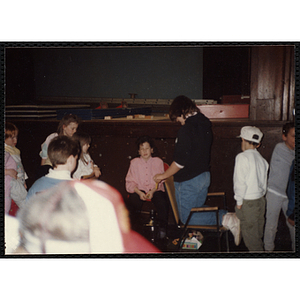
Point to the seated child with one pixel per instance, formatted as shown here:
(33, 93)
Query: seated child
(250, 185)
(63, 153)
(67, 126)
(86, 166)
(140, 184)
(18, 190)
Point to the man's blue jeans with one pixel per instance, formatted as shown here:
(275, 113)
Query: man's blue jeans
(193, 193)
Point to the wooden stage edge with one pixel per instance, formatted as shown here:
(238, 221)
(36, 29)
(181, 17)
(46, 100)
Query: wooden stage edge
(153, 119)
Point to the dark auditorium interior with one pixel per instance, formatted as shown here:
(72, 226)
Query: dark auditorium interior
(235, 85)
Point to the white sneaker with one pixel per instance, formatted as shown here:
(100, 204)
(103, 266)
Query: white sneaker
(232, 222)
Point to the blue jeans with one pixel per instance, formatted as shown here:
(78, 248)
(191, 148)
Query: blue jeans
(193, 193)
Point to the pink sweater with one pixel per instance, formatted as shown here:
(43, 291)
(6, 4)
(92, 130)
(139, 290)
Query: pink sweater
(141, 173)
(9, 164)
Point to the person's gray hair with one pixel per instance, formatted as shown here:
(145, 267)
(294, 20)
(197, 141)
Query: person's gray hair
(58, 213)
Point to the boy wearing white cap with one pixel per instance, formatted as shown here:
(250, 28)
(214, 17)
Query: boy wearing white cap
(250, 184)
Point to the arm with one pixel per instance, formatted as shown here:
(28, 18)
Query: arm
(239, 180)
(11, 172)
(10, 166)
(131, 178)
(173, 169)
(44, 148)
(97, 171)
(44, 152)
(182, 151)
(95, 168)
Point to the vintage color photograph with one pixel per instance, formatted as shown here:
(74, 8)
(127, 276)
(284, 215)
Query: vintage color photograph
(115, 86)
(149, 149)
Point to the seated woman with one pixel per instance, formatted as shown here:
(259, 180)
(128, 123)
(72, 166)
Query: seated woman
(141, 186)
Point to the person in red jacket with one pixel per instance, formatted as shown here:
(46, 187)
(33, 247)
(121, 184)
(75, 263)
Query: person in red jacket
(78, 217)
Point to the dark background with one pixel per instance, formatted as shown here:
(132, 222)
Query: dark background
(159, 72)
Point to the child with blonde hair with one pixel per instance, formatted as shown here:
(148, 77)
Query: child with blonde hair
(67, 126)
(86, 167)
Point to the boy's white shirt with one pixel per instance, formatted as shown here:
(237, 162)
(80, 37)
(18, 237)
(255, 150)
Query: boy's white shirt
(250, 176)
(59, 174)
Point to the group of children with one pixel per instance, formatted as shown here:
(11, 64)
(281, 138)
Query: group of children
(261, 191)
(62, 216)
(65, 156)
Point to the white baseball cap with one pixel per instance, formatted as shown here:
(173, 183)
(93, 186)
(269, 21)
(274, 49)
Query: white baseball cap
(251, 133)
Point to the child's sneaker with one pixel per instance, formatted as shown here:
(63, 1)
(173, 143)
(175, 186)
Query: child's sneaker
(232, 222)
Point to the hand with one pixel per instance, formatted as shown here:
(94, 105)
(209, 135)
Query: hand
(158, 178)
(239, 206)
(143, 196)
(290, 221)
(150, 195)
(97, 172)
(11, 172)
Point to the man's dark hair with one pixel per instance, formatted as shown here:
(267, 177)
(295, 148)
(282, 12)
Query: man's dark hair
(182, 105)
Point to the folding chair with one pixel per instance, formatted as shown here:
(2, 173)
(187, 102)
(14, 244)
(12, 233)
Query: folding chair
(219, 230)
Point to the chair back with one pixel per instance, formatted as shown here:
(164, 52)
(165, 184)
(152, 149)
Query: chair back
(170, 188)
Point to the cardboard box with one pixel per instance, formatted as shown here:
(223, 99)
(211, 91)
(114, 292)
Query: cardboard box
(193, 241)
(192, 244)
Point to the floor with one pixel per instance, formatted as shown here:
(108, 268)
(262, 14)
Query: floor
(210, 243)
